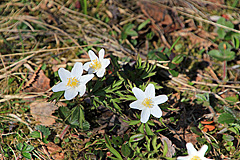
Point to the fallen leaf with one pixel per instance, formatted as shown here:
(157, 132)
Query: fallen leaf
(38, 82)
(171, 150)
(55, 151)
(42, 112)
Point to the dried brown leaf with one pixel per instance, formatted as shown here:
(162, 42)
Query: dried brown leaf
(42, 112)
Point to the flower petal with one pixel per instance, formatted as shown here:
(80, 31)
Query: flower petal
(203, 150)
(191, 150)
(138, 93)
(77, 70)
(100, 72)
(86, 66)
(156, 111)
(92, 55)
(150, 91)
(91, 71)
(101, 54)
(145, 115)
(105, 63)
(70, 94)
(137, 105)
(59, 87)
(183, 157)
(85, 78)
(64, 74)
(160, 99)
(81, 89)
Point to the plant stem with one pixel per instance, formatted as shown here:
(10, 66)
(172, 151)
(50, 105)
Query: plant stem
(224, 69)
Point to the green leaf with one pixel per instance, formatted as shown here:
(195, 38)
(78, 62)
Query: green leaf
(136, 137)
(232, 98)
(228, 138)
(35, 134)
(134, 122)
(178, 59)
(27, 155)
(226, 118)
(86, 125)
(45, 131)
(111, 149)
(131, 33)
(174, 73)
(19, 146)
(143, 24)
(148, 130)
(141, 128)
(221, 33)
(154, 143)
(126, 150)
(29, 148)
(56, 96)
(117, 140)
(235, 41)
(215, 53)
(165, 148)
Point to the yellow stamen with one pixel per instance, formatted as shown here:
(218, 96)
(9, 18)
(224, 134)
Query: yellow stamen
(95, 64)
(73, 82)
(195, 158)
(147, 102)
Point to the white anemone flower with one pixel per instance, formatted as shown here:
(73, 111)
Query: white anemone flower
(97, 65)
(72, 82)
(147, 102)
(193, 154)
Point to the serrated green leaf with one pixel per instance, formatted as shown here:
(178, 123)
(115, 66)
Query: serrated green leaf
(226, 118)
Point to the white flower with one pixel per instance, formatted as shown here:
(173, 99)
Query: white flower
(147, 102)
(72, 82)
(193, 154)
(97, 65)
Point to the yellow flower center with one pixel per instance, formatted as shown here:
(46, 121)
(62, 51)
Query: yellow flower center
(73, 82)
(147, 102)
(95, 64)
(195, 158)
